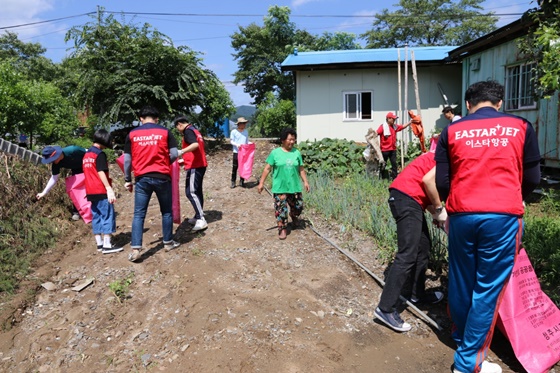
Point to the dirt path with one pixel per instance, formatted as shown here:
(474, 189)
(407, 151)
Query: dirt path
(231, 299)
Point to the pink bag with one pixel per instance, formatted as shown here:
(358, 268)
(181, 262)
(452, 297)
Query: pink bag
(76, 189)
(175, 196)
(529, 319)
(120, 162)
(245, 158)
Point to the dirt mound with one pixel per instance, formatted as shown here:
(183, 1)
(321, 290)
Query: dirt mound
(231, 298)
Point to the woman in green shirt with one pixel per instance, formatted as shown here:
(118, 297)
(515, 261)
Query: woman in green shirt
(286, 165)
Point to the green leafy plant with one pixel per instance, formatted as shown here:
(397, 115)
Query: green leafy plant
(333, 156)
(121, 287)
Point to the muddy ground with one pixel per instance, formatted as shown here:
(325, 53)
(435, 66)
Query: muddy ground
(233, 298)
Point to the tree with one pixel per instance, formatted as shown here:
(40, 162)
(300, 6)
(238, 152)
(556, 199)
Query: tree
(430, 22)
(259, 52)
(542, 44)
(33, 107)
(329, 41)
(121, 67)
(272, 115)
(27, 58)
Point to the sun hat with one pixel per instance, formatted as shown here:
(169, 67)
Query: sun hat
(241, 120)
(391, 115)
(51, 154)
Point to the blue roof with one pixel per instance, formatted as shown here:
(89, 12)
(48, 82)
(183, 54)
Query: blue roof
(354, 56)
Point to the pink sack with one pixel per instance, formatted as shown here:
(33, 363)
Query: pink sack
(76, 189)
(529, 319)
(245, 158)
(175, 196)
(120, 162)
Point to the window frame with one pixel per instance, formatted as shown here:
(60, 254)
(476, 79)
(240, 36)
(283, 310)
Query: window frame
(359, 106)
(518, 95)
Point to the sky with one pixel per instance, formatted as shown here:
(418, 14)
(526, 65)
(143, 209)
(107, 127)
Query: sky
(205, 25)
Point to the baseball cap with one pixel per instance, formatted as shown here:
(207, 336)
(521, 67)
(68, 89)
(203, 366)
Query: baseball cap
(391, 115)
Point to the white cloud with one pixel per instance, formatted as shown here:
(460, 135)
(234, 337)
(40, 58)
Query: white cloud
(358, 24)
(19, 12)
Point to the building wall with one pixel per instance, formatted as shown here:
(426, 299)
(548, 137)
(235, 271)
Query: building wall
(319, 99)
(492, 64)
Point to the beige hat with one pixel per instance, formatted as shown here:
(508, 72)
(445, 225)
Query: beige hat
(241, 120)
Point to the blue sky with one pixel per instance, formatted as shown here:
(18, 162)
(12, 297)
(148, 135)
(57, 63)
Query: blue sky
(210, 25)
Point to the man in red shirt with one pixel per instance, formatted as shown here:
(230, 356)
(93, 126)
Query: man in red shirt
(149, 151)
(388, 140)
(412, 192)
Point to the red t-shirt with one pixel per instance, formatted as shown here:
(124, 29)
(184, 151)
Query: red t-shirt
(409, 181)
(389, 143)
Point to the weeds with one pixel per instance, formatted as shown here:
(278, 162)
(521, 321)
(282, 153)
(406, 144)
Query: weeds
(121, 287)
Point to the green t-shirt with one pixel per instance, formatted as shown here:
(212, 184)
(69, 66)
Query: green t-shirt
(285, 170)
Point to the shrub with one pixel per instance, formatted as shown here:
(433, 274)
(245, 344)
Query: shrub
(336, 157)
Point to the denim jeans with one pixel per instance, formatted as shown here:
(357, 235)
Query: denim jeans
(143, 190)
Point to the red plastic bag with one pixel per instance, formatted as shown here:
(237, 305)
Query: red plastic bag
(76, 189)
(245, 159)
(120, 162)
(175, 195)
(529, 319)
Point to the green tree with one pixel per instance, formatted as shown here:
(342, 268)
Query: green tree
(542, 44)
(329, 41)
(260, 50)
(120, 67)
(430, 22)
(33, 107)
(27, 58)
(272, 115)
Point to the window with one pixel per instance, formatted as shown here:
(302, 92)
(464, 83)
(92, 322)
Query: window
(358, 105)
(519, 89)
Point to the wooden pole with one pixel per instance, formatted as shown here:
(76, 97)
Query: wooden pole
(415, 78)
(399, 80)
(402, 114)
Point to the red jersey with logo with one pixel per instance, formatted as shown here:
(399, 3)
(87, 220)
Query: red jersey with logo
(197, 158)
(505, 142)
(389, 143)
(409, 181)
(93, 162)
(149, 150)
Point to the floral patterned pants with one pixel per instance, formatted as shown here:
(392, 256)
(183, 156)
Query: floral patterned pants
(281, 203)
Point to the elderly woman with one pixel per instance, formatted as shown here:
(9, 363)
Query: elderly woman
(286, 165)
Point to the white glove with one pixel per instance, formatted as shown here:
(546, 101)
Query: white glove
(440, 217)
(111, 195)
(40, 195)
(128, 185)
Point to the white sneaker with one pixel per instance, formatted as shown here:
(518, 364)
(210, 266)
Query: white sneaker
(168, 246)
(191, 221)
(76, 216)
(486, 367)
(112, 249)
(200, 225)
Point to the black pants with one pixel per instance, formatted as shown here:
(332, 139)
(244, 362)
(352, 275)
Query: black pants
(234, 169)
(392, 156)
(413, 252)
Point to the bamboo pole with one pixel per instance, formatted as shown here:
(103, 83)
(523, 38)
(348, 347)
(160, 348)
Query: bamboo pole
(403, 113)
(415, 78)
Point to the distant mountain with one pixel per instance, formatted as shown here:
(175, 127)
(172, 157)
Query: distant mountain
(246, 111)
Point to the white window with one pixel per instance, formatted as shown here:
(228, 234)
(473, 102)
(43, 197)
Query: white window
(519, 89)
(358, 105)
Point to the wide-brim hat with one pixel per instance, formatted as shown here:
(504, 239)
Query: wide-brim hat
(241, 120)
(50, 154)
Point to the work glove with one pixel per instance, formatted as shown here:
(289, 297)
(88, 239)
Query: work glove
(440, 217)
(111, 195)
(128, 185)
